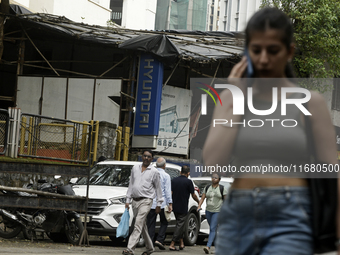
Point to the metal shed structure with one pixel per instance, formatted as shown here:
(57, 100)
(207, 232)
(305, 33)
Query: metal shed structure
(45, 45)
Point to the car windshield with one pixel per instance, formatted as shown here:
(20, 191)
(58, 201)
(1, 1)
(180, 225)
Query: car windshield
(201, 184)
(172, 172)
(108, 175)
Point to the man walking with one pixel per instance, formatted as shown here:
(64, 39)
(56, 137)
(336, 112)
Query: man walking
(166, 193)
(143, 187)
(181, 188)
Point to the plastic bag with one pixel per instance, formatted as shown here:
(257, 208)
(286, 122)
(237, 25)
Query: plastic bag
(167, 214)
(123, 227)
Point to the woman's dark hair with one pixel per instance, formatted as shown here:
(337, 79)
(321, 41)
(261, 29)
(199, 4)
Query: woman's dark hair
(219, 176)
(272, 18)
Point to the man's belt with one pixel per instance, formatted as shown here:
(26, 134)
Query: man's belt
(138, 198)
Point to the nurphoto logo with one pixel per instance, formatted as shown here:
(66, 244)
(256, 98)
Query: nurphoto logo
(239, 104)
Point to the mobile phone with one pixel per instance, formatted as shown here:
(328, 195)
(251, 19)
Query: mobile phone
(250, 69)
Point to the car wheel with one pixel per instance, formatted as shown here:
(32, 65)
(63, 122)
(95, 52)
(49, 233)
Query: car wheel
(191, 229)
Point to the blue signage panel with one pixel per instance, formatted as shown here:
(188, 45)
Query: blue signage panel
(149, 95)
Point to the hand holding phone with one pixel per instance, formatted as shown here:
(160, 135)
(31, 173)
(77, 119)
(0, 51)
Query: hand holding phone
(250, 69)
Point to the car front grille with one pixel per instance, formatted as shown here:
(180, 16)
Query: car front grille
(94, 224)
(96, 206)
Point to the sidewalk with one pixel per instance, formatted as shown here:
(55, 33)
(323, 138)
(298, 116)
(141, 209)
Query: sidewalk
(98, 246)
(46, 246)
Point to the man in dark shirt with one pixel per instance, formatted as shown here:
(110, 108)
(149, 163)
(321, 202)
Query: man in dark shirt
(181, 188)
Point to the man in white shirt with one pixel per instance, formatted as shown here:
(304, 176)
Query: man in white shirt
(143, 187)
(166, 193)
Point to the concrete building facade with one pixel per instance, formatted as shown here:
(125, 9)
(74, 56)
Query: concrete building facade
(92, 12)
(213, 15)
(234, 14)
(138, 14)
(182, 14)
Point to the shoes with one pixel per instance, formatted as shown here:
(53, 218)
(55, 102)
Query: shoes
(147, 252)
(173, 249)
(182, 247)
(127, 252)
(206, 250)
(159, 245)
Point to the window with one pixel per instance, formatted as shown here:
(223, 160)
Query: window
(211, 20)
(238, 6)
(226, 8)
(172, 172)
(336, 94)
(236, 20)
(108, 175)
(116, 15)
(117, 7)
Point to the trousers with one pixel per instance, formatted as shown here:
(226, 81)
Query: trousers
(180, 220)
(140, 210)
(265, 221)
(212, 218)
(151, 222)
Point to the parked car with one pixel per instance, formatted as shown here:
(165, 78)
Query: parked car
(201, 183)
(109, 181)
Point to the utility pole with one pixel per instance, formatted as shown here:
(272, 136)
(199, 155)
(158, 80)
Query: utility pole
(4, 11)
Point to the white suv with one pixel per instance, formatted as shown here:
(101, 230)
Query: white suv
(109, 181)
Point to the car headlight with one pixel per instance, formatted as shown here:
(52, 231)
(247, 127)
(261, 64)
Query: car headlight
(118, 201)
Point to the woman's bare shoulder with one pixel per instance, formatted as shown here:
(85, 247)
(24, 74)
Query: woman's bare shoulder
(317, 106)
(316, 97)
(317, 102)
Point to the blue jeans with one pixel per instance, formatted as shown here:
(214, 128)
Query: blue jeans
(266, 221)
(212, 218)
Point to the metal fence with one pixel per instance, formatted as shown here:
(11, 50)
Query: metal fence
(58, 139)
(4, 122)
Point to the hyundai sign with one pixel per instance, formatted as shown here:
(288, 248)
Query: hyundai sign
(149, 95)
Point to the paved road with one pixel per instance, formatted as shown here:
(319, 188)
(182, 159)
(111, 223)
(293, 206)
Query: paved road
(97, 246)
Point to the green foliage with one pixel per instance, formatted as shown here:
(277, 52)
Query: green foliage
(112, 25)
(317, 36)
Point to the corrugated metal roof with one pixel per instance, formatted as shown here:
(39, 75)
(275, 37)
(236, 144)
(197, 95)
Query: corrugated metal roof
(196, 46)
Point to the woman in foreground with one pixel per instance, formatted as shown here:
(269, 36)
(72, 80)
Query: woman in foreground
(268, 213)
